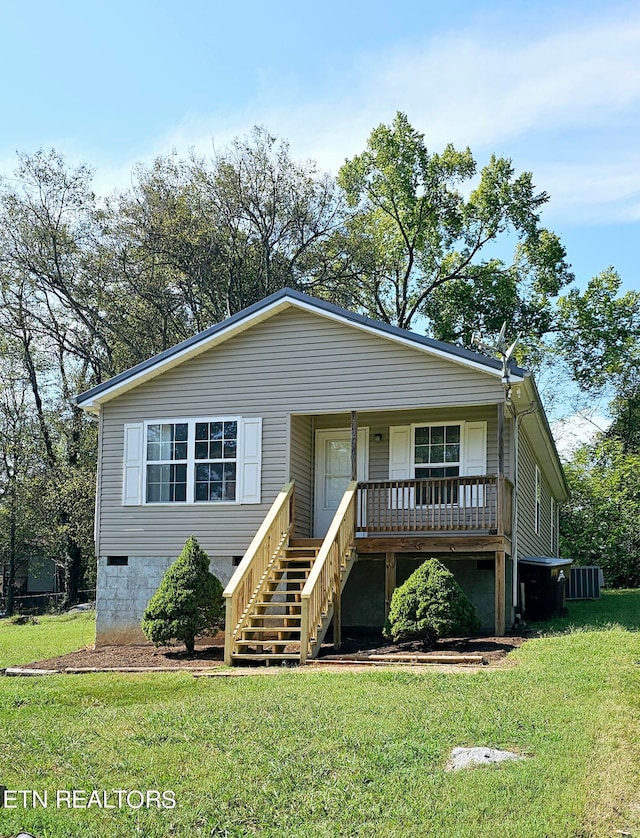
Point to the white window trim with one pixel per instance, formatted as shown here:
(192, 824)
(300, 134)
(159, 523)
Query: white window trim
(191, 462)
(414, 426)
(554, 530)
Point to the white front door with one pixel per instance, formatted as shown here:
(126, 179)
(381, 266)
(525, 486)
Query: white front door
(333, 472)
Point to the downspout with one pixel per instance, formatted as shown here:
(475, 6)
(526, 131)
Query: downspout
(517, 418)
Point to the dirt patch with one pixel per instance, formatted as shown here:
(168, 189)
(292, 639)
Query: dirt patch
(209, 653)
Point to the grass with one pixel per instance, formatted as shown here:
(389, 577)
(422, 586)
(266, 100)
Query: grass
(347, 754)
(45, 638)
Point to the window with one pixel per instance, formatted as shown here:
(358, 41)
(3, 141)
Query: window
(538, 499)
(216, 449)
(192, 461)
(189, 461)
(437, 455)
(167, 462)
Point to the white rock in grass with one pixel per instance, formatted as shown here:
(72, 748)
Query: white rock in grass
(470, 757)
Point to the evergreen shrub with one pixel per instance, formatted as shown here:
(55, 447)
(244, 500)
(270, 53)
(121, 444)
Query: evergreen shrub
(429, 605)
(188, 602)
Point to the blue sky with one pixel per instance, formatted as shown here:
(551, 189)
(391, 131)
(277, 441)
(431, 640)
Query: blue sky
(553, 85)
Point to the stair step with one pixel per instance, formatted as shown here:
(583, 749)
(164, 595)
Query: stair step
(296, 617)
(270, 631)
(305, 542)
(276, 597)
(266, 642)
(280, 656)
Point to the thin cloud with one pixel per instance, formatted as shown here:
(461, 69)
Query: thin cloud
(476, 90)
(565, 104)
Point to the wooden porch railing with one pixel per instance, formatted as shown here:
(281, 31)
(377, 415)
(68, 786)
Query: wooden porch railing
(251, 574)
(435, 505)
(323, 586)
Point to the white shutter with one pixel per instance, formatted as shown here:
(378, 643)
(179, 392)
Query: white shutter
(400, 452)
(474, 449)
(474, 452)
(132, 465)
(250, 464)
(400, 465)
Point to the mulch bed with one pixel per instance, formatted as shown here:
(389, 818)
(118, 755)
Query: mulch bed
(209, 653)
(492, 649)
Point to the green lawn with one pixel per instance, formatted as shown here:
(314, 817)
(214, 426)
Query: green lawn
(347, 754)
(45, 638)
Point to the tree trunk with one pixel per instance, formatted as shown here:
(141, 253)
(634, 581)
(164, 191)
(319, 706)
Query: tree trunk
(72, 573)
(11, 578)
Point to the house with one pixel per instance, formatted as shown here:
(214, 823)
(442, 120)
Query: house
(318, 456)
(35, 578)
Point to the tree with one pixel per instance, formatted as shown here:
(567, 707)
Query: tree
(429, 605)
(600, 524)
(599, 335)
(188, 602)
(599, 339)
(419, 249)
(51, 314)
(194, 241)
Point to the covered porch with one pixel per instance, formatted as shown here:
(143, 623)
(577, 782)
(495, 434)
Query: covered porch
(464, 511)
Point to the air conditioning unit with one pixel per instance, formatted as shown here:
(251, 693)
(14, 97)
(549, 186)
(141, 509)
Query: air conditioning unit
(585, 582)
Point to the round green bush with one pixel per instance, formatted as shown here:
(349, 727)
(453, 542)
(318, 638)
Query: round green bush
(430, 605)
(188, 602)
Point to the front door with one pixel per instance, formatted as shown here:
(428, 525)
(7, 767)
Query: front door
(333, 472)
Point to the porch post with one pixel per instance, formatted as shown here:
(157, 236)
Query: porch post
(354, 445)
(389, 581)
(500, 586)
(501, 438)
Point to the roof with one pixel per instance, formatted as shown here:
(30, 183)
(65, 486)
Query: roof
(264, 309)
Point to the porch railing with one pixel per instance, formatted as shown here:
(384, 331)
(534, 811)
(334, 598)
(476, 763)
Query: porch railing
(325, 580)
(444, 504)
(251, 574)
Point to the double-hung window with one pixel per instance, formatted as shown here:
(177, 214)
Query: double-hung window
(216, 451)
(167, 462)
(436, 454)
(212, 459)
(191, 462)
(538, 500)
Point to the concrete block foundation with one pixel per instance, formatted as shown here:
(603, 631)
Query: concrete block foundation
(124, 590)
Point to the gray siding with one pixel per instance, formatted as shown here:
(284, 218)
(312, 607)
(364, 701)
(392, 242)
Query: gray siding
(295, 362)
(380, 422)
(531, 543)
(301, 470)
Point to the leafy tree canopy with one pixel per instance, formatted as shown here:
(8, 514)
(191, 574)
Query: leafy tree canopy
(418, 248)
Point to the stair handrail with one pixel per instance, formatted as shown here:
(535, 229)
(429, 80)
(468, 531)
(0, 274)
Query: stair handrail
(324, 581)
(249, 577)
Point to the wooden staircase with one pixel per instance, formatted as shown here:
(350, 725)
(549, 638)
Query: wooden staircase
(273, 629)
(286, 591)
